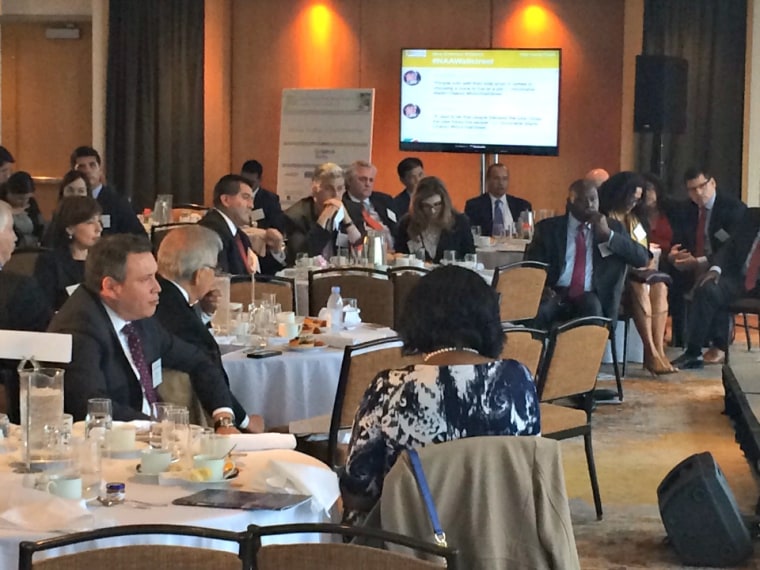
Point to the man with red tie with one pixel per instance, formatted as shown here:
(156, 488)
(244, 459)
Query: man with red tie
(701, 228)
(370, 209)
(733, 274)
(587, 255)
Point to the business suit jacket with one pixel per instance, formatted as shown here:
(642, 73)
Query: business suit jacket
(549, 246)
(179, 318)
(123, 218)
(480, 211)
(269, 203)
(726, 214)
(381, 202)
(230, 260)
(304, 234)
(100, 369)
(733, 256)
(401, 203)
(458, 238)
(55, 270)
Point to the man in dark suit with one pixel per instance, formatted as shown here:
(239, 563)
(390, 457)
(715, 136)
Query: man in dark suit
(233, 200)
(118, 216)
(410, 172)
(701, 227)
(734, 273)
(495, 209)
(119, 348)
(185, 258)
(267, 212)
(587, 255)
(370, 209)
(320, 223)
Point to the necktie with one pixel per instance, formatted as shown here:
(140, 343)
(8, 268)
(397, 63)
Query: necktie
(243, 250)
(497, 227)
(138, 357)
(699, 244)
(753, 269)
(578, 279)
(369, 220)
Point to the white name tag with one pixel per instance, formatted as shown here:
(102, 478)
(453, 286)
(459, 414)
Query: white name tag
(156, 373)
(639, 232)
(722, 235)
(391, 215)
(604, 250)
(257, 214)
(71, 288)
(105, 220)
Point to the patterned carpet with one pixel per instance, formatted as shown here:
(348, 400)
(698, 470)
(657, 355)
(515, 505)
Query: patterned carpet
(661, 422)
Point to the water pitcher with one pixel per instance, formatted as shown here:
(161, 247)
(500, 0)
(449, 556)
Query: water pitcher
(41, 406)
(374, 245)
(162, 210)
(221, 319)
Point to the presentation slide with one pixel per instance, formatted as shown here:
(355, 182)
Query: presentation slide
(480, 100)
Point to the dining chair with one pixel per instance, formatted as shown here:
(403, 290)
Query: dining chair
(158, 232)
(284, 289)
(520, 286)
(570, 368)
(176, 388)
(338, 555)
(142, 553)
(23, 260)
(404, 279)
(372, 289)
(525, 345)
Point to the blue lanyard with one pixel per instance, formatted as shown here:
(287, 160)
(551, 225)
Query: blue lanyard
(419, 474)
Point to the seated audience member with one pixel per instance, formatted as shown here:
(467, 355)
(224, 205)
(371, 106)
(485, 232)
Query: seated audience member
(703, 225)
(410, 172)
(78, 229)
(432, 226)
(233, 200)
(441, 399)
(587, 255)
(267, 212)
(311, 222)
(620, 198)
(119, 348)
(598, 176)
(369, 208)
(6, 164)
(28, 223)
(118, 216)
(74, 183)
(495, 210)
(186, 261)
(658, 213)
(734, 273)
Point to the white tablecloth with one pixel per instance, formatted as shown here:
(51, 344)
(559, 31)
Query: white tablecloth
(255, 468)
(494, 256)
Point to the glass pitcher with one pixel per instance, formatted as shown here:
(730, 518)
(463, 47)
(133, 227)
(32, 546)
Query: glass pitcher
(41, 406)
(162, 210)
(221, 320)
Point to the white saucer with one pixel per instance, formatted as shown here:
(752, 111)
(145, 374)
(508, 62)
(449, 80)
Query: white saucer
(126, 453)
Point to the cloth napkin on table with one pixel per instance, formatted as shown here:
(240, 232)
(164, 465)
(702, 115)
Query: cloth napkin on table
(39, 511)
(261, 441)
(358, 335)
(297, 478)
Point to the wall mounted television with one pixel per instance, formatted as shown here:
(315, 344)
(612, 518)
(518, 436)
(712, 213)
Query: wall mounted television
(501, 101)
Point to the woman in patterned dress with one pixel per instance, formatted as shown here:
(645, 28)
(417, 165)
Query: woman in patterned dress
(452, 317)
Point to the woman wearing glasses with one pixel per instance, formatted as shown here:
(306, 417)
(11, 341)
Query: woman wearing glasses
(432, 226)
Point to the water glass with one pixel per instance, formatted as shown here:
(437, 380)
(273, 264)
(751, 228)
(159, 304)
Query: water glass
(180, 418)
(302, 259)
(4, 425)
(99, 418)
(449, 257)
(350, 302)
(86, 460)
(476, 232)
(67, 424)
(471, 260)
(161, 427)
(500, 232)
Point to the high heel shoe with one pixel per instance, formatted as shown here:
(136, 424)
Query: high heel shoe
(656, 367)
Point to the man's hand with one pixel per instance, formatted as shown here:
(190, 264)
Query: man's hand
(227, 430)
(682, 259)
(711, 275)
(330, 208)
(274, 240)
(210, 301)
(601, 228)
(255, 424)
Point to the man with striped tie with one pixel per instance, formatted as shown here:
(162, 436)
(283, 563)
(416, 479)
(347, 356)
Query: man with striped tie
(495, 210)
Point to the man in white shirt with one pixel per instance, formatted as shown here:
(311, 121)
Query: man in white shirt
(495, 210)
(370, 209)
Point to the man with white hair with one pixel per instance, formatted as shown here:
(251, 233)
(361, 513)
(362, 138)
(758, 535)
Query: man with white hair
(186, 259)
(369, 208)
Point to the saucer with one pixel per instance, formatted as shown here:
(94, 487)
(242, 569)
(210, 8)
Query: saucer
(126, 453)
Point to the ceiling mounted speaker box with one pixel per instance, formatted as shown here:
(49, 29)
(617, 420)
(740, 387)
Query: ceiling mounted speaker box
(700, 515)
(660, 103)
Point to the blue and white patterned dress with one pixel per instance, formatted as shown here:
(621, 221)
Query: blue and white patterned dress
(423, 404)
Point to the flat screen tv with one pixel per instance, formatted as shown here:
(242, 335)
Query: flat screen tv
(501, 101)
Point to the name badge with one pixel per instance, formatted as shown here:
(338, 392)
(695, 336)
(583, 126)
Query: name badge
(156, 373)
(105, 220)
(257, 214)
(639, 232)
(604, 250)
(391, 215)
(71, 288)
(722, 235)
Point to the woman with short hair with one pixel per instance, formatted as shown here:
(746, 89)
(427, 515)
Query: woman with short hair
(28, 222)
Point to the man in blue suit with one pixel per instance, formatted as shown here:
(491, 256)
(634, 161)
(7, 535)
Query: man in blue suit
(495, 208)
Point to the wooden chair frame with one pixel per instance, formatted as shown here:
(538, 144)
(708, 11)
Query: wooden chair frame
(287, 299)
(535, 337)
(520, 286)
(403, 279)
(350, 278)
(24, 259)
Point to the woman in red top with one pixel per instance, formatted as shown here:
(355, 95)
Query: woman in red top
(660, 231)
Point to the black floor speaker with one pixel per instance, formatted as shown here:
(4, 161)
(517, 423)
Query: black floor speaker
(700, 514)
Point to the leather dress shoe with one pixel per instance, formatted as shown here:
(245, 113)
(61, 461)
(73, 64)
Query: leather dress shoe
(714, 356)
(689, 361)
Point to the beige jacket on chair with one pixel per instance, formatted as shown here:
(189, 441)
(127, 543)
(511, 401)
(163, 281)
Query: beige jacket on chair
(501, 501)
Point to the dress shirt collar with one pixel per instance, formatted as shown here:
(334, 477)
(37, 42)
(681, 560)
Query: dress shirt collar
(494, 199)
(96, 191)
(357, 200)
(255, 192)
(573, 223)
(116, 321)
(711, 202)
(230, 223)
(185, 294)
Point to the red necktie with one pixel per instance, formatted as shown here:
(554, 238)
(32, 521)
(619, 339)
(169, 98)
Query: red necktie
(578, 280)
(242, 250)
(699, 249)
(134, 342)
(370, 221)
(750, 280)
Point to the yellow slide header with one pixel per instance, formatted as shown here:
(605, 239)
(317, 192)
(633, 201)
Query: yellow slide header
(506, 58)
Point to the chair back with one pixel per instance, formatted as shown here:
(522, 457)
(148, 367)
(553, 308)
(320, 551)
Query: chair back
(176, 388)
(158, 232)
(361, 364)
(337, 555)
(372, 289)
(23, 260)
(142, 552)
(404, 279)
(525, 345)
(240, 290)
(283, 287)
(520, 286)
(527, 527)
(573, 357)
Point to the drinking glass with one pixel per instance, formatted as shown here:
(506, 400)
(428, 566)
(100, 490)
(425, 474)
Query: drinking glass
(67, 424)
(342, 256)
(160, 425)
(476, 232)
(302, 259)
(179, 416)
(471, 260)
(99, 418)
(4, 424)
(350, 302)
(449, 257)
(86, 459)
(500, 232)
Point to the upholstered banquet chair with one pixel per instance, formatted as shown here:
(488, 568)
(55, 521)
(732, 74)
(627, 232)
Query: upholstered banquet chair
(520, 286)
(372, 289)
(525, 345)
(404, 279)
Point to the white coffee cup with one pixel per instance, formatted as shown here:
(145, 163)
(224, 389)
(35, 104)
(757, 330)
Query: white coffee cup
(155, 461)
(288, 330)
(121, 438)
(483, 241)
(286, 317)
(215, 465)
(65, 487)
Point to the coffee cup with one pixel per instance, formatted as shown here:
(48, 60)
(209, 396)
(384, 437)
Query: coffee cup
(288, 330)
(66, 487)
(155, 461)
(286, 317)
(121, 438)
(215, 465)
(483, 241)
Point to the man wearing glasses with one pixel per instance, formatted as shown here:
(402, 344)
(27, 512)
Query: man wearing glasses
(703, 226)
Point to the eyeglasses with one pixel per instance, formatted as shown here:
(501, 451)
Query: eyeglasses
(426, 206)
(698, 187)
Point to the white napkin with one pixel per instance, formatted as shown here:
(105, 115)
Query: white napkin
(358, 335)
(141, 426)
(261, 441)
(229, 339)
(296, 478)
(39, 511)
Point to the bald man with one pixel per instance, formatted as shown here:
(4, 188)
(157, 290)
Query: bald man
(598, 176)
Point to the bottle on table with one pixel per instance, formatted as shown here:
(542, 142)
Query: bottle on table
(335, 310)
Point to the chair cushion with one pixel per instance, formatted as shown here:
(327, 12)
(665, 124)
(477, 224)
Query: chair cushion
(556, 418)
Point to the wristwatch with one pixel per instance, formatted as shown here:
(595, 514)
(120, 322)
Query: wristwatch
(224, 422)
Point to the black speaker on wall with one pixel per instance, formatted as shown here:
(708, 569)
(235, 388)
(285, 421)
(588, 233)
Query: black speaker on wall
(660, 103)
(700, 515)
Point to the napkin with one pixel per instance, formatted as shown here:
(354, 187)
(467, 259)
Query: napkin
(141, 426)
(261, 441)
(39, 511)
(358, 335)
(296, 478)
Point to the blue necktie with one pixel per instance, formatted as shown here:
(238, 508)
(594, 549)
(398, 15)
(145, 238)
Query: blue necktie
(497, 227)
